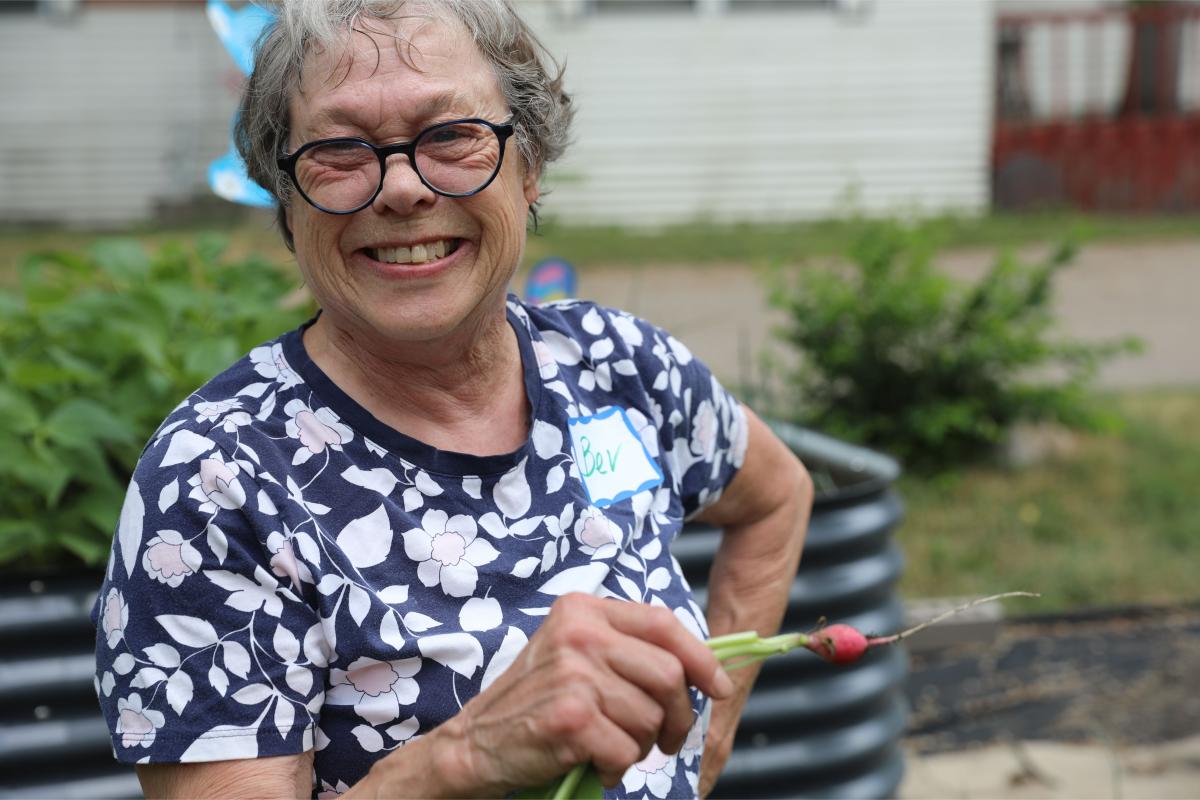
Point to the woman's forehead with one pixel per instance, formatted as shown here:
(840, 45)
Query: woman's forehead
(432, 63)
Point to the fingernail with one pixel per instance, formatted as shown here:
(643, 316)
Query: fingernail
(722, 683)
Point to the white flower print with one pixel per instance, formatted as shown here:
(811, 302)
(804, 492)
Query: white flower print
(547, 366)
(647, 432)
(296, 495)
(376, 689)
(628, 330)
(660, 352)
(448, 552)
(316, 430)
(233, 421)
(137, 725)
(212, 410)
(704, 430)
(169, 558)
(739, 436)
(693, 745)
(115, 617)
(216, 485)
(598, 536)
(269, 362)
(655, 773)
(330, 792)
(693, 748)
(283, 559)
(682, 354)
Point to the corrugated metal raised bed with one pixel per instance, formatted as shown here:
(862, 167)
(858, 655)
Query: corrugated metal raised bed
(53, 740)
(811, 729)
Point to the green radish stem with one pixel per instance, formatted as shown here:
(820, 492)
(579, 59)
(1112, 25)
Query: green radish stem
(741, 649)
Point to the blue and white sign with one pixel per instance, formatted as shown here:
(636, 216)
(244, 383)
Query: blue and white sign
(550, 279)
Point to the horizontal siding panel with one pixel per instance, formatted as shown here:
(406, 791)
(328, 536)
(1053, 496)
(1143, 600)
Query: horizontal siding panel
(765, 115)
(775, 115)
(109, 112)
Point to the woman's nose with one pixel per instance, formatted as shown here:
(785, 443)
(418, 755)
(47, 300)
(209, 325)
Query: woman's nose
(402, 189)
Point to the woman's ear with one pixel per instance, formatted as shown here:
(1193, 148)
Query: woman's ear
(530, 185)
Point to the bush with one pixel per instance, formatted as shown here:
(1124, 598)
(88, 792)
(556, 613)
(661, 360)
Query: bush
(96, 349)
(896, 355)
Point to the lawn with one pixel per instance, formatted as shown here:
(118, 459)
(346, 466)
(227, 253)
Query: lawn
(1114, 522)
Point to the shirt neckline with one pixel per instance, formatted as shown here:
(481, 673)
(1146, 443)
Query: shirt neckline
(412, 450)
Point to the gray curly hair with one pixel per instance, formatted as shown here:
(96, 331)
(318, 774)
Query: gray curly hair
(529, 77)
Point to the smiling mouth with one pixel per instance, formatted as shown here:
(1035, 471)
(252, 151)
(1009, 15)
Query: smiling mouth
(417, 254)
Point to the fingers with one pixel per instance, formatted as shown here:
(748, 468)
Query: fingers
(638, 712)
(660, 676)
(660, 627)
(600, 681)
(609, 747)
(647, 648)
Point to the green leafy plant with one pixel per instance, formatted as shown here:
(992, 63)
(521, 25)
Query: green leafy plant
(898, 355)
(96, 348)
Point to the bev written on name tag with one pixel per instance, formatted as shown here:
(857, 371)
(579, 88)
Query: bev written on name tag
(612, 461)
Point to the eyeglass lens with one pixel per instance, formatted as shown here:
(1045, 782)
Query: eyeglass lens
(453, 159)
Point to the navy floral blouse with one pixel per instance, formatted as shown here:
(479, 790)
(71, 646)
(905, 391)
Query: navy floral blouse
(289, 573)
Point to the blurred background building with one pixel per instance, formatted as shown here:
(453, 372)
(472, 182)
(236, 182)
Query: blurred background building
(729, 110)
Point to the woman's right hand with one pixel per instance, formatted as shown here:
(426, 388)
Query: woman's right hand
(601, 681)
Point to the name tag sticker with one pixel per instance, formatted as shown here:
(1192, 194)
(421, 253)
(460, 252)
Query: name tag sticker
(610, 456)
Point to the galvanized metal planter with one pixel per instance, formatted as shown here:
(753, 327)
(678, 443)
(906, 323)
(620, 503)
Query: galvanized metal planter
(811, 729)
(53, 741)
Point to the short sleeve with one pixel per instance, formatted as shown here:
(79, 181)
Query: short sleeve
(702, 427)
(203, 650)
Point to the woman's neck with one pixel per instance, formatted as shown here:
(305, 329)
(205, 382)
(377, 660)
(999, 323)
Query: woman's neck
(465, 392)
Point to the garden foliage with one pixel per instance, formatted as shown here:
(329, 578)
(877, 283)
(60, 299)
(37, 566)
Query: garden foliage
(897, 355)
(96, 349)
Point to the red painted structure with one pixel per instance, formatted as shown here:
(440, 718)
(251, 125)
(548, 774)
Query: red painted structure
(1140, 155)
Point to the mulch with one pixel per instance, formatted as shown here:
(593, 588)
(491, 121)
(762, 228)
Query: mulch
(1123, 677)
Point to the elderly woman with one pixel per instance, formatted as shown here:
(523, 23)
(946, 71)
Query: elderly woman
(419, 547)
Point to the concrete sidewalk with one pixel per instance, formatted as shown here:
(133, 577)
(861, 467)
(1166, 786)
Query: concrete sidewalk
(1057, 771)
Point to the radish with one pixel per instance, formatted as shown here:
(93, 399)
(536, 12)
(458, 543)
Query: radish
(838, 644)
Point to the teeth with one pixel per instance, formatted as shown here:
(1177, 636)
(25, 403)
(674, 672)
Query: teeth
(417, 254)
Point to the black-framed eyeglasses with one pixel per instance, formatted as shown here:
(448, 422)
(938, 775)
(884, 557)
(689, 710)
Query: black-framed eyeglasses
(344, 175)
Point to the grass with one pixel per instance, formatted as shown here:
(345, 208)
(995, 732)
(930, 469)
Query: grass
(1113, 523)
(713, 243)
(691, 244)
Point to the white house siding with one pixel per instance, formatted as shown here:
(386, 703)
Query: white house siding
(112, 111)
(108, 113)
(774, 114)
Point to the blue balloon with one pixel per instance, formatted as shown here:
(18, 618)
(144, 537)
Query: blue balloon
(227, 177)
(238, 31)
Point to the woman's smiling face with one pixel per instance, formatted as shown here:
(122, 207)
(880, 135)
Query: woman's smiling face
(361, 267)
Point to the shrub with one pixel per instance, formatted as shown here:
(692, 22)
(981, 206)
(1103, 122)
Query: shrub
(96, 349)
(897, 355)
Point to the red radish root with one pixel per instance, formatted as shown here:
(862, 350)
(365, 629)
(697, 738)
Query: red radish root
(844, 644)
(838, 644)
